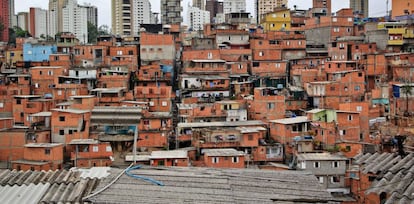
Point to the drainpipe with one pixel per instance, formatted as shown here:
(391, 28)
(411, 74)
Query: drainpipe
(134, 148)
(76, 156)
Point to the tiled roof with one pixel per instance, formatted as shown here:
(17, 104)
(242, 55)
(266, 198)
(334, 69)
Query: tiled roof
(205, 185)
(395, 175)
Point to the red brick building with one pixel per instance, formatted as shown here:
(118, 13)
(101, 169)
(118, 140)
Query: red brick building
(224, 158)
(40, 156)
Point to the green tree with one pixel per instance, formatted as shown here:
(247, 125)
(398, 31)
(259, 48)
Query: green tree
(103, 30)
(92, 33)
(20, 33)
(407, 90)
(12, 36)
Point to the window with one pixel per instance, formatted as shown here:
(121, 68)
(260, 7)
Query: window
(303, 164)
(334, 19)
(61, 132)
(261, 53)
(119, 52)
(335, 164)
(336, 30)
(151, 103)
(335, 179)
(47, 151)
(320, 178)
(270, 106)
(164, 103)
(235, 160)
(297, 128)
(61, 118)
(1, 105)
(130, 52)
(50, 73)
(317, 165)
(215, 160)
(59, 92)
(108, 149)
(349, 117)
(210, 55)
(95, 148)
(342, 132)
(357, 88)
(18, 101)
(250, 137)
(348, 148)
(146, 122)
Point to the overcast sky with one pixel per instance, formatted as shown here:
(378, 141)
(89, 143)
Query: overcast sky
(377, 7)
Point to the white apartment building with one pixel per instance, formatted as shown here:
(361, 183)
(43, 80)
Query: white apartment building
(231, 6)
(74, 19)
(53, 23)
(141, 12)
(23, 20)
(197, 18)
(39, 17)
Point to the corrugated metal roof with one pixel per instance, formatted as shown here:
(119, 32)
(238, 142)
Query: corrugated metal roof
(15, 177)
(395, 175)
(83, 141)
(222, 152)
(250, 129)
(48, 187)
(70, 192)
(129, 158)
(205, 185)
(71, 110)
(287, 121)
(169, 154)
(43, 145)
(94, 172)
(26, 194)
(221, 124)
(42, 114)
(320, 157)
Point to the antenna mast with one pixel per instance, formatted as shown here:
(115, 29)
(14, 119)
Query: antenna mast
(387, 14)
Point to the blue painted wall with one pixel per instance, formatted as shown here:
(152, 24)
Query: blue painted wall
(38, 52)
